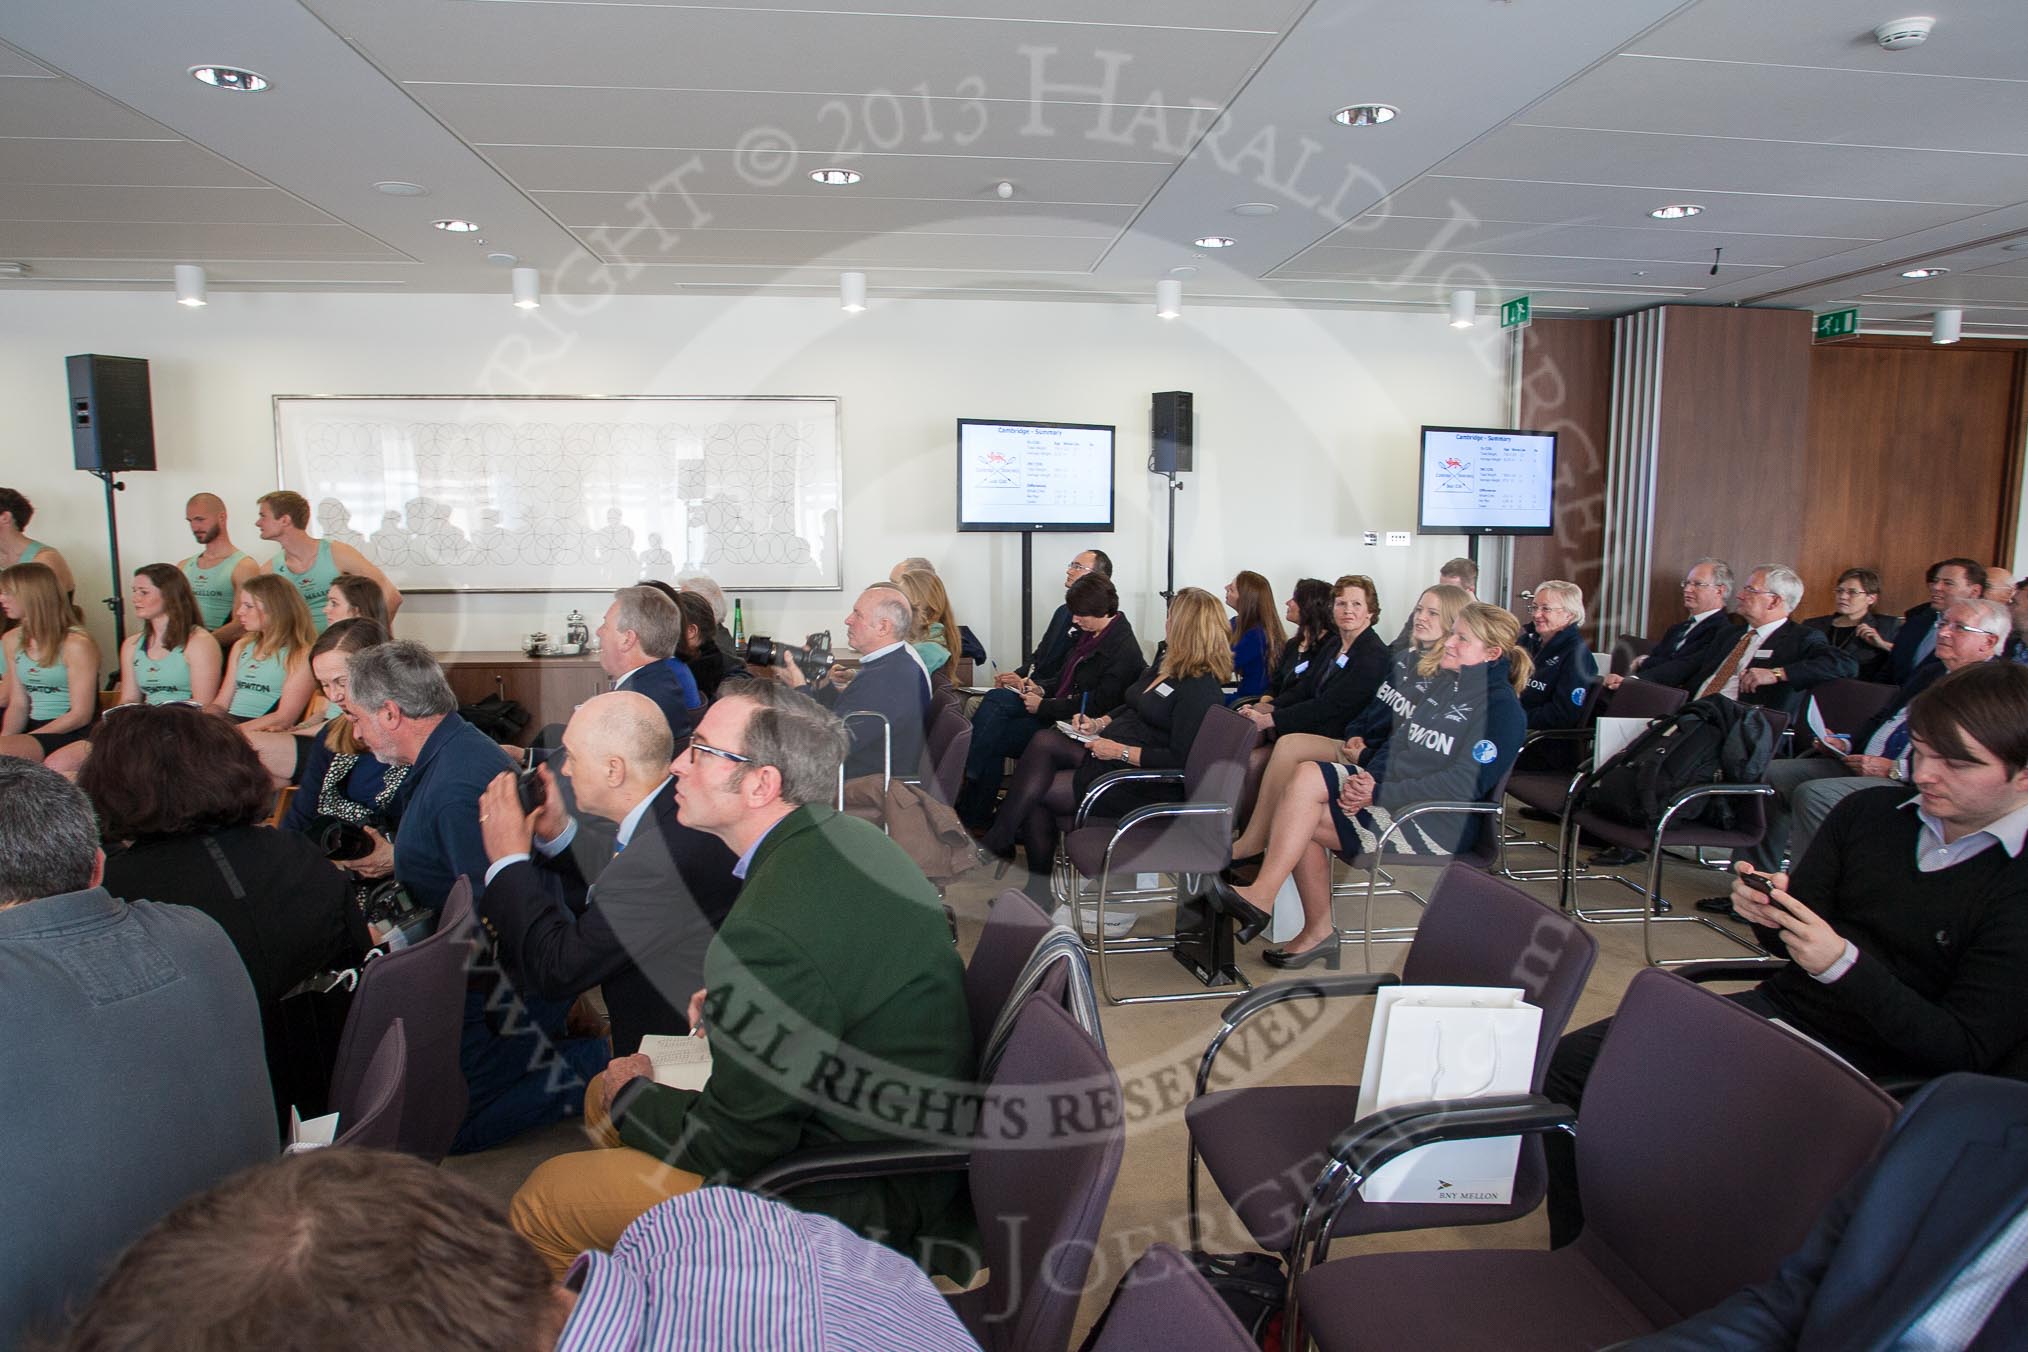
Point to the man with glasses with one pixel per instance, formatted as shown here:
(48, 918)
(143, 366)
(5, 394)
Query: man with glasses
(573, 909)
(1808, 787)
(833, 1004)
(1949, 580)
(1771, 662)
(1059, 636)
(1707, 586)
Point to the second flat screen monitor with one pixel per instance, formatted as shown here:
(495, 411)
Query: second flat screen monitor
(1021, 476)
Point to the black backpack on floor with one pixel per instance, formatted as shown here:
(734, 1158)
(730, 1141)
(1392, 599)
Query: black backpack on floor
(1708, 741)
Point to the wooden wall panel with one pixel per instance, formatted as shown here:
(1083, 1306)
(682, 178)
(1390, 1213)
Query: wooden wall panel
(1566, 388)
(1731, 443)
(1914, 454)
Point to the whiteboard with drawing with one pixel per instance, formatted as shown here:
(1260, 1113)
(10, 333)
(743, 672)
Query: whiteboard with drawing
(508, 493)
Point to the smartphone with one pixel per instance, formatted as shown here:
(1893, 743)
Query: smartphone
(1758, 882)
(531, 788)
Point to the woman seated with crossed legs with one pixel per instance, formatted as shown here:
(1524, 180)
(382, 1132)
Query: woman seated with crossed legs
(1455, 745)
(1436, 614)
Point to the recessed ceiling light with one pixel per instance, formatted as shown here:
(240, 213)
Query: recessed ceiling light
(1917, 274)
(395, 187)
(231, 77)
(1215, 242)
(1365, 115)
(835, 178)
(1255, 209)
(457, 227)
(1676, 211)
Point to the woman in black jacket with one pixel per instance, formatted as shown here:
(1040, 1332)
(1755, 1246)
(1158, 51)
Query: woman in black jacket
(1103, 662)
(1564, 667)
(182, 801)
(1154, 730)
(1309, 616)
(1342, 674)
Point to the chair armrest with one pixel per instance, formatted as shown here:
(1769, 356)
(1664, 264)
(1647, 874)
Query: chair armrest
(1584, 734)
(1125, 776)
(886, 741)
(1371, 1142)
(1726, 969)
(1327, 987)
(832, 1164)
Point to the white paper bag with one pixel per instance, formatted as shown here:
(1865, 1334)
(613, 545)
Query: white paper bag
(1288, 913)
(1448, 1042)
(314, 1134)
(1611, 735)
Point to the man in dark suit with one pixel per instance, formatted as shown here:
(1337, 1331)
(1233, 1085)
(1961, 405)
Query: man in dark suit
(1949, 580)
(638, 639)
(1772, 661)
(1927, 1248)
(632, 915)
(1045, 664)
(890, 681)
(1683, 647)
(831, 993)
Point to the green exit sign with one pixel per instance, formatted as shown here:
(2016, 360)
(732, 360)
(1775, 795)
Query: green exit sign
(1835, 324)
(1514, 314)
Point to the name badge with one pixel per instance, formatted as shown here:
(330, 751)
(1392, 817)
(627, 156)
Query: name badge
(1302, 666)
(1765, 652)
(1342, 659)
(1165, 690)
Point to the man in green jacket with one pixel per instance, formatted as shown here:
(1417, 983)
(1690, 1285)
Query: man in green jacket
(833, 1003)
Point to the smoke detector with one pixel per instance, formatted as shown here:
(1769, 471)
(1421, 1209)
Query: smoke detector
(1898, 35)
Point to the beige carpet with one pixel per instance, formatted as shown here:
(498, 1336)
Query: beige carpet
(1156, 1049)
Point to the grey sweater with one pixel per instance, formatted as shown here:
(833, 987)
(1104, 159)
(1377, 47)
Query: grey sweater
(131, 1077)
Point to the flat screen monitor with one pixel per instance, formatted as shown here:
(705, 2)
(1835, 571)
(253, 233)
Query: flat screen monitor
(1022, 476)
(1487, 481)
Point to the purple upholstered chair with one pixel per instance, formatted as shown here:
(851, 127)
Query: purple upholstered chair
(1710, 1140)
(374, 1123)
(424, 986)
(1014, 926)
(1265, 1145)
(1165, 1305)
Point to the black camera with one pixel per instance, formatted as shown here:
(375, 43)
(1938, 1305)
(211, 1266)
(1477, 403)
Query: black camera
(814, 657)
(393, 920)
(340, 840)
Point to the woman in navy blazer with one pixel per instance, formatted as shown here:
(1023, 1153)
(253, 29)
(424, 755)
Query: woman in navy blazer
(1342, 673)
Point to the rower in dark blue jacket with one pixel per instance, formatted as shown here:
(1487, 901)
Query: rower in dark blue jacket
(1564, 667)
(1455, 744)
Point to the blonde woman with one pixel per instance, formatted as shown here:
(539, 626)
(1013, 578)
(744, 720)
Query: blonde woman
(1436, 614)
(1349, 809)
(52, 665)
(1153, 728)
(268, 682)
(936, 624)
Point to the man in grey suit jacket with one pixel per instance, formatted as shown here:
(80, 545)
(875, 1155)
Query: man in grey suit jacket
(133, 1069)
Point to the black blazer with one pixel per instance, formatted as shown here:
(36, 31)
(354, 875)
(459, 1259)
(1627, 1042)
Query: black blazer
(1285, 677)
(1917, 624)
(1058, 637)
(1101, 681)
(1684, 645)
(1561, 681)
(1871, 661)
(638, 930)
(1332, 692)
(1162, 725)
(1807, 655)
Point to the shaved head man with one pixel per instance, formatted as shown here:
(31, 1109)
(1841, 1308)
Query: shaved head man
(217, 570)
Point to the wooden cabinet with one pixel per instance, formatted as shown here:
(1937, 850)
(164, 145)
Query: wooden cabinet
(548, 687)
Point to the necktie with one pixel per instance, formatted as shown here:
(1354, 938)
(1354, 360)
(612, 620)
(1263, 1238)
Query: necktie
(1897, 741)
(1730, 665)
(1928, 644)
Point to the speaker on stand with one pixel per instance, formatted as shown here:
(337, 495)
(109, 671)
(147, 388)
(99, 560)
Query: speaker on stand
(112, 431)
(1172, 440)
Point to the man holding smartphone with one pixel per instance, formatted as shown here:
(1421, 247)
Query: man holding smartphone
(1906, 922)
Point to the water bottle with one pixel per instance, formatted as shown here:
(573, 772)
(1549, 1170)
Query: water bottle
(738, 626)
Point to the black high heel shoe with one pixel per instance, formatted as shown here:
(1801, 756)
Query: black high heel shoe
(1281, 958)
(1249, 919)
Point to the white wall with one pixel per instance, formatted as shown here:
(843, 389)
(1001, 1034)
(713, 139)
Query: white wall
(1306, 424)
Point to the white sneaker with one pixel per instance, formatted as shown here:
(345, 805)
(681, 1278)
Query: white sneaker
(1119, 922)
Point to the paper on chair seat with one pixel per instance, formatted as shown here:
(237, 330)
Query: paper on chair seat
(1611, 735)
(680, 1062)
(314, 1134)
(1448, 1042)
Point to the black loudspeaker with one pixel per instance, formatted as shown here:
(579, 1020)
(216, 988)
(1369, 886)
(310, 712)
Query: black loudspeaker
(1175, 433)
(112, 419)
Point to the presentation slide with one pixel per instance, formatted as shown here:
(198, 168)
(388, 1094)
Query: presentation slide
(1034, 476)
(1483, 481)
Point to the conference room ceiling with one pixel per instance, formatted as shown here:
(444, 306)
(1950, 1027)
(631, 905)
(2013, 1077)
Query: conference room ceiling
(655, 148)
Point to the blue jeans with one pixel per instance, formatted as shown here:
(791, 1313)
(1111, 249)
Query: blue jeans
(1001, 727)
(520, 1070)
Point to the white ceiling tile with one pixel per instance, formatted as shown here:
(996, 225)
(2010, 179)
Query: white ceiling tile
(822, 125)
(1789, 103)
(1686, 163)
(621, 211)
(1965, 288)
(190, 243)
(1268, 15)
(118, 162)
(64, 108)
(1975, 37)
(56, 202)
(802, 248)
(15, 66)
(1578, 240)
(554, 169)
(1473, 269)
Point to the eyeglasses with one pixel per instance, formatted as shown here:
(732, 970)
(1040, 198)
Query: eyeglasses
(1954, 627)
(1703, 586)
(1075, 567)
(1755, 591)
(733, 756)
(1851, 591)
